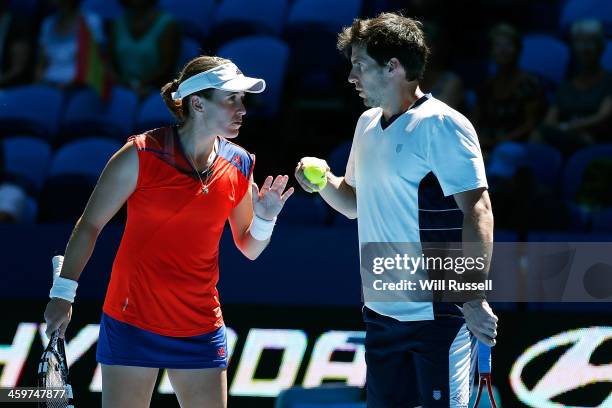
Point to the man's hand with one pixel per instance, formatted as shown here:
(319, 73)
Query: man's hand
(481, 320)
(301, 178)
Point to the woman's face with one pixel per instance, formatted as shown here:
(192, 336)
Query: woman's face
(223, 112)
(504, 50)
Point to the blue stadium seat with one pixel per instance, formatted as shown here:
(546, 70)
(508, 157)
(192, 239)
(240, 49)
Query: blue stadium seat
(195, 16)
(263, 57)
(328, 395)
(545, 163)
(31, 109)
(106, 9)
(606, 58)
(153, 113)
(237, 18)
(330, 16)
(577, 164)
(190, 49)
(575, 10)
(312, 29)
(546, 56)
(26, 161)
(85, 157)
(87, 114)
(73, 173)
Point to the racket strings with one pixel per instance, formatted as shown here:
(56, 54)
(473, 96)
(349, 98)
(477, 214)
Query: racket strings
(53, 374)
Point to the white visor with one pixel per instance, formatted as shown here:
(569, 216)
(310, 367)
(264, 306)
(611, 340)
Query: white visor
(226, 77)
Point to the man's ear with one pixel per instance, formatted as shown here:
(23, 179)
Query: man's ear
(395, 68)
(393, 64)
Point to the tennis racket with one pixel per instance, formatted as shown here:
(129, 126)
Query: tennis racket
(53, 375)
(53, 367)
(484, 370)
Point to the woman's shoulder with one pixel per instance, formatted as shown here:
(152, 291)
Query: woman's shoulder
(155, 140)
(236, 155)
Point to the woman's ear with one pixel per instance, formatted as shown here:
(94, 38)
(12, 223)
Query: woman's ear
(196, 103)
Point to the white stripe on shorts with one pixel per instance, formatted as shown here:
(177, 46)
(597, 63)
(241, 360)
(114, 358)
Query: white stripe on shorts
(461, 368)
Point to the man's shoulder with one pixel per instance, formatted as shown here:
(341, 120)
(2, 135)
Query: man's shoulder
(438, 113)
(369, 115)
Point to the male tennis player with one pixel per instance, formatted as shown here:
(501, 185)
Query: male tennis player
(410, 154)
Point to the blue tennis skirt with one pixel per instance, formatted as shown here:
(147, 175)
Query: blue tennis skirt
(123, 344)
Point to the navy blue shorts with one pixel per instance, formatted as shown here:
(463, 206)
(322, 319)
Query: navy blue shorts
(427, 363)
(123, 344)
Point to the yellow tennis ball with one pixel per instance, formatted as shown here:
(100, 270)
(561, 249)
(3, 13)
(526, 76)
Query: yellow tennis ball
(316, 175)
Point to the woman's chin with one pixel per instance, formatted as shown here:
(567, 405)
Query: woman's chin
(231, 132)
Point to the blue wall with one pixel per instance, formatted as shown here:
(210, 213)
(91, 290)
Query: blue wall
(302, 265)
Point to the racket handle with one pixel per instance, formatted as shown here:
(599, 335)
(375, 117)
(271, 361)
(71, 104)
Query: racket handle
(484, 358)
(57, 261)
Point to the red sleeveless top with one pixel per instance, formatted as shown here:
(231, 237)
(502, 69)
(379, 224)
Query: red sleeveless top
(166, 270)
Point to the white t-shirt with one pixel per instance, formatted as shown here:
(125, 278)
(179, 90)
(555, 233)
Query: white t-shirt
(60, 50)
(405, 176)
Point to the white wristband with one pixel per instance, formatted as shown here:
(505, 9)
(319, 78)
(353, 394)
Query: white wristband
(261, 229)
(64, 289)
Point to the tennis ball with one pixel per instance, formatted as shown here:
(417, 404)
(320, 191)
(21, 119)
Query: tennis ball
(316, 175)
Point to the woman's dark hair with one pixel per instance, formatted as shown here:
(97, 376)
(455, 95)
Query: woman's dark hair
(386, 36)
(197, 65)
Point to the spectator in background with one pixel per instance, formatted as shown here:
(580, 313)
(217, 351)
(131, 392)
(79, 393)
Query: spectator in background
(12, 197)
(64, 43)
(439, 80)
(16, 48)
(511, 103)
(146, 44)
(582, 111)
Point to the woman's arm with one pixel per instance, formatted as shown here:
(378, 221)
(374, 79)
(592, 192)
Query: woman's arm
(116, 184)
(264, 204)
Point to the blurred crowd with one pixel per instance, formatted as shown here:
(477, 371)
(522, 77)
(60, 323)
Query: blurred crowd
(532, 76)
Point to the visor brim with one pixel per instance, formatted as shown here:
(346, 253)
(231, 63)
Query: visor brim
(244, 84)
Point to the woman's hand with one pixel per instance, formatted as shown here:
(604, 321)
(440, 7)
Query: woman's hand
(270, 199)
(57, 316)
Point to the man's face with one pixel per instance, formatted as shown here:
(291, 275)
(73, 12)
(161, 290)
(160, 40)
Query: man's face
(367, 76)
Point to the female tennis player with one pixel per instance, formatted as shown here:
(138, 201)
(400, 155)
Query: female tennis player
(181, 184)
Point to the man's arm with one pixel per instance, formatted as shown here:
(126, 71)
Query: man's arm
(477, 222)
(477, 242)
(337, 192)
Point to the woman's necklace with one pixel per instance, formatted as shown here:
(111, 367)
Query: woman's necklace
(210, 162)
